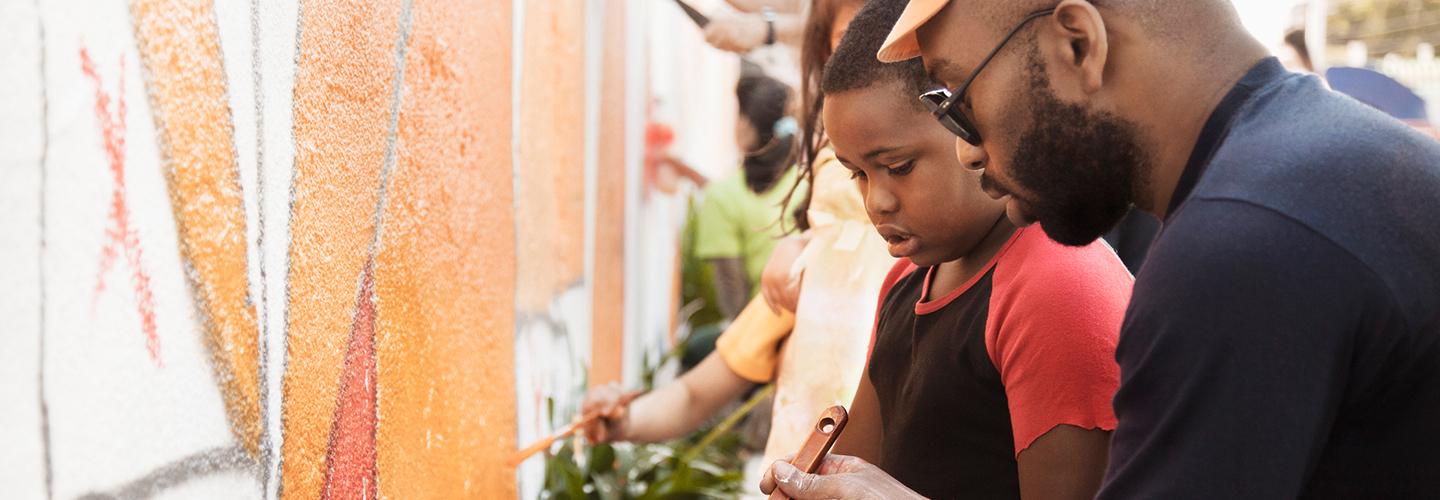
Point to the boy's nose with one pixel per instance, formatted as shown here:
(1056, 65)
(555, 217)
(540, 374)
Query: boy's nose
(972, 156)
(880, 202)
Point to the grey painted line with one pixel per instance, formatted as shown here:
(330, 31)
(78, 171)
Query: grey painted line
(262, 309)
(402, 48)
(44, 160)
(393, 128)
(392, 133)
(199, 465)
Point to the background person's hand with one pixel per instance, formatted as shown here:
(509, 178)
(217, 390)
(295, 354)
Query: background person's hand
(756, 5)
(614, 418)
(840, 476)
(780, 288)
(737, 34)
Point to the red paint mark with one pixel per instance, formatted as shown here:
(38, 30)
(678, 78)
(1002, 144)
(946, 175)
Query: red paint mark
(350, 462)
(119, 235)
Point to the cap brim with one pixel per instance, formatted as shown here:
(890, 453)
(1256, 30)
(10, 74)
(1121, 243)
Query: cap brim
(901, 44)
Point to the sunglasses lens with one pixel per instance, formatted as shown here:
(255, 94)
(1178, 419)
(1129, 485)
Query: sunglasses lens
(957, 124)
(964, 128)
(933, 99)
(952, 119)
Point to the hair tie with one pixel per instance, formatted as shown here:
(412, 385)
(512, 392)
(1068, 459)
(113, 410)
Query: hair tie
(786, 127)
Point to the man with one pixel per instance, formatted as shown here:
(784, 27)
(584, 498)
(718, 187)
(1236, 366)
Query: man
(1283, 339)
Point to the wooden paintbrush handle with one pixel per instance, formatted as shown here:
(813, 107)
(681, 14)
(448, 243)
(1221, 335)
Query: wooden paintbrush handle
(581, 421)
(822, 437)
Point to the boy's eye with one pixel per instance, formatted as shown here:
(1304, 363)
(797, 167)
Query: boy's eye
(857, 174)
(902, 169)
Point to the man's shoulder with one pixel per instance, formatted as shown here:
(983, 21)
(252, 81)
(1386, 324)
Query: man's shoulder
(1244, 250)
(1305, 156)
(1299, 136)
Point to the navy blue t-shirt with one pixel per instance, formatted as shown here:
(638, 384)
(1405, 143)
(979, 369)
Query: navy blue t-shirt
(1283, 339)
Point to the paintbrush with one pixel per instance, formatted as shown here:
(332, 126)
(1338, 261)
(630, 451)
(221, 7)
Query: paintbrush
(579, 423)
(700, 19)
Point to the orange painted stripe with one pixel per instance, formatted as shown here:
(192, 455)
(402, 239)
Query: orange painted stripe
(445, 271)
(180, 47)
(609, 286)
(344, 90)
(551, 162)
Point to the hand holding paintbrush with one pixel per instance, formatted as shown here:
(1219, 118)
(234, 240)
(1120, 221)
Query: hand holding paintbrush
(598, 418)
(610, 407)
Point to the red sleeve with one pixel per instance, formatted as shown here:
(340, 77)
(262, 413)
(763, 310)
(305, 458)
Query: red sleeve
(902, 268)
(1055, 315)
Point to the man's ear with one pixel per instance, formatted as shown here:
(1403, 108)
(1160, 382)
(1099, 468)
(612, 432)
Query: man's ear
(1077, 43)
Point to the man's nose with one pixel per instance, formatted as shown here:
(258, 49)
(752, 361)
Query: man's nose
(971, 156)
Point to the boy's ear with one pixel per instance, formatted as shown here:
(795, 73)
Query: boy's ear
(1075, 45)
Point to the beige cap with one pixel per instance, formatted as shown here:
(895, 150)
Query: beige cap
(901, 43)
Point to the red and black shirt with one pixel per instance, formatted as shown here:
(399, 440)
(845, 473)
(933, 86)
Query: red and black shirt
(967, 381)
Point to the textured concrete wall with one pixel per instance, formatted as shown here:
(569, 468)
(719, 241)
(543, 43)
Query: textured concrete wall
(301, 249)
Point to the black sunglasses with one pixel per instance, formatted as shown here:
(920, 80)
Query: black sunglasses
(941, 102)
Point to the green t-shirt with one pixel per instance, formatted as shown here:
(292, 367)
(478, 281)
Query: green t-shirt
(736, 222)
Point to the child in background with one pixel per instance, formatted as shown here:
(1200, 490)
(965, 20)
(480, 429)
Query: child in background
(993, 365)
(736, 224)
(736, 229)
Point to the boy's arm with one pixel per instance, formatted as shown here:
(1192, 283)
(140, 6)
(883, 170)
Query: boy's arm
(1066, 463)
(1055, 315)
(861, 437)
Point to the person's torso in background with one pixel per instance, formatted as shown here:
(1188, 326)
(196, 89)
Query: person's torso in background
(844, 264)
(746, 224)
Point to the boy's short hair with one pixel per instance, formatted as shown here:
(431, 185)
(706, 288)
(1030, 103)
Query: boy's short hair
(854, 66)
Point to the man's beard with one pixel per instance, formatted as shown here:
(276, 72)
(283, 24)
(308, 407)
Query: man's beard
(1079, 167)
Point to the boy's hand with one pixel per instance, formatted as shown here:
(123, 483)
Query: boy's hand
(614, 420)
(780, 288)
(840, 476)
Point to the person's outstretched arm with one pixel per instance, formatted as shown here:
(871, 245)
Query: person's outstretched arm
(669, 411)
(745, 32)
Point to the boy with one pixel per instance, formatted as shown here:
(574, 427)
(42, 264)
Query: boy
(992, 367)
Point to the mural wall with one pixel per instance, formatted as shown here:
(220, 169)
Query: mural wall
(313, 248)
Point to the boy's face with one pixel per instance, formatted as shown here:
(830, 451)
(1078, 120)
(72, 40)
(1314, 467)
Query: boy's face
(927, 206)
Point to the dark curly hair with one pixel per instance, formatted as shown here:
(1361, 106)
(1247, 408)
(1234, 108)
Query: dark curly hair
(854, 66)
(763, 103)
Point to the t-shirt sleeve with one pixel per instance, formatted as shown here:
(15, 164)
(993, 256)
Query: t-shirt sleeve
(903, 267)
(750, 346)
(717, 231)
(1054, 323)
(1235, 356)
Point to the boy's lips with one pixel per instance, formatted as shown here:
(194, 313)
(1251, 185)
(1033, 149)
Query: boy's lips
(901, 242)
